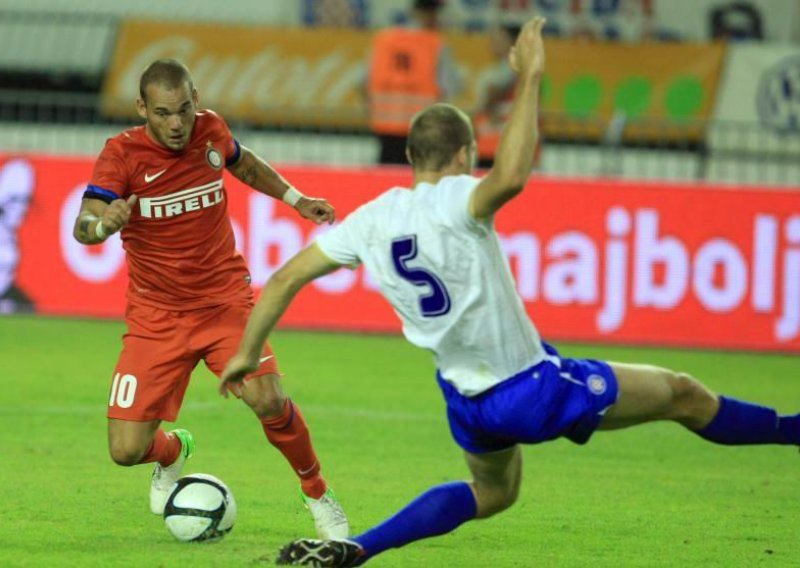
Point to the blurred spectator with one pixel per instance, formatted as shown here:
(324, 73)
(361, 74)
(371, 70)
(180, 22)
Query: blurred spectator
(496, 87)
(335, 13)
(623, 20)
(410, 68)
(736, 21)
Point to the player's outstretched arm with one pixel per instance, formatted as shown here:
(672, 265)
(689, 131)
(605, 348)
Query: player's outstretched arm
(98, 220)
(515, 154)
(259, 175)
(277, 294)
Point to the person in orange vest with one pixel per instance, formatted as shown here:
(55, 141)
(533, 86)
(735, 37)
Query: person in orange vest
(496, 87)
(410, 69)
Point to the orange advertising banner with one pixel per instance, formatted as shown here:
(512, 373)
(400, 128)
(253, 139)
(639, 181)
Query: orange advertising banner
(303, 77)
(660, 264)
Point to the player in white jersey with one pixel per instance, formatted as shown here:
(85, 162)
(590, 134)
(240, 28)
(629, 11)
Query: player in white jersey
(437, 259)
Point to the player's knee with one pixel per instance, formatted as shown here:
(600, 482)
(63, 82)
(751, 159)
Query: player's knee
(494, 500)
(691, 400)
(268, 405)
(264, 396)
(124, 454)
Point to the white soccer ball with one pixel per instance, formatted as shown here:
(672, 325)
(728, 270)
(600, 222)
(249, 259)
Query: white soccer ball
(200, 508)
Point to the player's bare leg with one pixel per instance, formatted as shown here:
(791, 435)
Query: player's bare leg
(264, 395)
(496, 479)
(131, 443)
(286, 429)
(128, 441)
(494, 488)
(648, 393)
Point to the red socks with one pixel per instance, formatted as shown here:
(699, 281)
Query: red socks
(288, 432)
(164, 449)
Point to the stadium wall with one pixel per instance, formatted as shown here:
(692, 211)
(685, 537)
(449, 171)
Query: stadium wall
(653, 263)
(557, 160)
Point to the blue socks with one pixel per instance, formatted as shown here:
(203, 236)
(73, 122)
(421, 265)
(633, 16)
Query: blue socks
(437, 511)
(739, 423)
(445, 507)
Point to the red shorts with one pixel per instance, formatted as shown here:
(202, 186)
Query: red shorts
(162, 348)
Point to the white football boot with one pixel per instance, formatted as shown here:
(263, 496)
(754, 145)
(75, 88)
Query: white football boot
(164, 478)
(329, 518)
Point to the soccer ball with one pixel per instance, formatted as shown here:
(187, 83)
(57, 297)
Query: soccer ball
(200, 508)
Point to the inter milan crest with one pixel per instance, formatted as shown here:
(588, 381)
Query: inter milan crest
(213, 157)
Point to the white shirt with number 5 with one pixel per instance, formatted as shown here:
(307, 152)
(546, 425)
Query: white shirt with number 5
(446, 277)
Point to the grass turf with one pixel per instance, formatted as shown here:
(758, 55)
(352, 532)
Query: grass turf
(648, 496)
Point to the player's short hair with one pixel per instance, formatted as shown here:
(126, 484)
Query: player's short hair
(169, 73)
(437, 134)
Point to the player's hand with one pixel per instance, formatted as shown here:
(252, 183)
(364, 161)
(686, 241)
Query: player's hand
(527, 56)
(235, 371)
(117, 214)
(317, 210)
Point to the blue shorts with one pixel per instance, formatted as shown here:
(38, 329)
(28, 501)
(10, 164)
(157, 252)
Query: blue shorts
(557, 397)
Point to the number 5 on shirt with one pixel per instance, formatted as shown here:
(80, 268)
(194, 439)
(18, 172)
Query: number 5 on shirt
(437, 301)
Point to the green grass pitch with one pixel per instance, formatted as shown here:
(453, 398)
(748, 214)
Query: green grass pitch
(649, 496)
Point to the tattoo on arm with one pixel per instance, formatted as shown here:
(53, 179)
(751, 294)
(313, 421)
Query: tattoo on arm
(249, 175)
(256, 173)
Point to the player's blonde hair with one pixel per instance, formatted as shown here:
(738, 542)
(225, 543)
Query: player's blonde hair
(437, 134)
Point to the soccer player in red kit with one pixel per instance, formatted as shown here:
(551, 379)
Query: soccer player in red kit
(189, 295)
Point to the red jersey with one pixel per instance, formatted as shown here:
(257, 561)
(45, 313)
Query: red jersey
(179, 241)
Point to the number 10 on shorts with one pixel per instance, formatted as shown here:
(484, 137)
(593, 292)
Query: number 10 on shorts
(123, 391)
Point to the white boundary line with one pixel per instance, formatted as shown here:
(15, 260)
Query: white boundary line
(82, 409)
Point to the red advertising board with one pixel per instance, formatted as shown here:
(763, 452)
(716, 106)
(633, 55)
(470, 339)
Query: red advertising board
(666, 264)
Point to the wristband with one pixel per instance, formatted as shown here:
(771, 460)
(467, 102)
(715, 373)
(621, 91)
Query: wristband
(291, 196)
(100, 231)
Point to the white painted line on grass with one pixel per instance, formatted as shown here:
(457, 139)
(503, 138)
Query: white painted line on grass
(82, 409)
